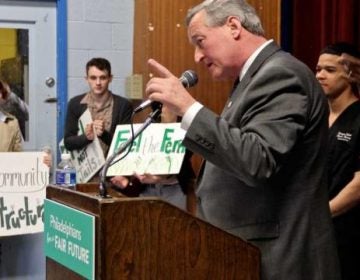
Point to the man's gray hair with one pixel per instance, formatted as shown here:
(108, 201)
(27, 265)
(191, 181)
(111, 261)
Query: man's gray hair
(218, 11)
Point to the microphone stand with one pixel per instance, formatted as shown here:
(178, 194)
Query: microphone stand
(150, 119)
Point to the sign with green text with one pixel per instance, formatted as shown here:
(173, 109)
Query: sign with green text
(70, 238)
(158, 150)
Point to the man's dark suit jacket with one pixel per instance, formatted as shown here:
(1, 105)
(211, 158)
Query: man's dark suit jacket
(121, 114)
(264, 178)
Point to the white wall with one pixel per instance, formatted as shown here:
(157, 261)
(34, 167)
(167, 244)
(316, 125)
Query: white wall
(99, 28)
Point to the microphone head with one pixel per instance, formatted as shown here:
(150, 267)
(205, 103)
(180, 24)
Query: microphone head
(189, 78)
(156, 105)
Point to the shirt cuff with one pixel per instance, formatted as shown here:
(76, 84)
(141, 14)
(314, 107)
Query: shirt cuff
(190, 114)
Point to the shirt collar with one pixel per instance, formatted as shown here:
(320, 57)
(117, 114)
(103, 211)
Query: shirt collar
(252, 58)
(88, 100)
(3, 116)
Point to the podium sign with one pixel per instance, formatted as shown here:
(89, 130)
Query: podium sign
(70, 238)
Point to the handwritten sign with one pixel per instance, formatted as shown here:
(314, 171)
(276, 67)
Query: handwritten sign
(88, 160)
(23, 179)
(157, 150)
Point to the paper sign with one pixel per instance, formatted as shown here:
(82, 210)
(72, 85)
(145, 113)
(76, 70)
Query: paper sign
(157, 150)
(23, 179)
(88, 160)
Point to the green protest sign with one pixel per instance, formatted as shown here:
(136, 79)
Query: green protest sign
(158, 150)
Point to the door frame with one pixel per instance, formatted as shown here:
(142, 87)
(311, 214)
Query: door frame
(62, 71)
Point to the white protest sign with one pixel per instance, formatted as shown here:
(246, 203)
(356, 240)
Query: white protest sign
(23, 180)
(88, 160)
(157, 150)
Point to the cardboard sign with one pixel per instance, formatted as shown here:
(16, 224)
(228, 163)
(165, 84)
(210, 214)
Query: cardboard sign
(23, 179)
(88, 160)
(158, 150)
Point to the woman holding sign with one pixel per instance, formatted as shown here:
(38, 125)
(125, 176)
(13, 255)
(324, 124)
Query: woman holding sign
(13, 237)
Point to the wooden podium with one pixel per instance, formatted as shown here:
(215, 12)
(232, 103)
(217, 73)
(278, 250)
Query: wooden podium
(147, 238)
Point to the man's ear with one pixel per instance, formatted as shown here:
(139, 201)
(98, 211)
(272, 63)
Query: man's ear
(234, 25)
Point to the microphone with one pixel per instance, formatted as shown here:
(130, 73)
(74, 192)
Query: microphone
(188, 79)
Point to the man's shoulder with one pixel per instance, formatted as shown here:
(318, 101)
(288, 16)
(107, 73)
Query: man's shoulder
(75, 106)
(352, 112)
(352, 109)
(76, 101)
(77, 98)
(121, 99)
(12, 121)
(7, 116)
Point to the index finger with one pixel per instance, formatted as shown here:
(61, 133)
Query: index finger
(159, 69)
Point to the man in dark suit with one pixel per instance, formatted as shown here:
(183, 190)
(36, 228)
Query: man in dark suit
(264, 178)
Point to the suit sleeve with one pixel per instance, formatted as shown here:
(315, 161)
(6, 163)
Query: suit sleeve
(253, 137)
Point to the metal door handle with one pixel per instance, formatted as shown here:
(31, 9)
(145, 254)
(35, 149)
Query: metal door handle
(50, 100)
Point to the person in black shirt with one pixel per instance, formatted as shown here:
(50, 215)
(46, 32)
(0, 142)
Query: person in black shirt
(344, 153)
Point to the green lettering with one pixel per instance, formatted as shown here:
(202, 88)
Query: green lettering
(166, 142)
(121, 137)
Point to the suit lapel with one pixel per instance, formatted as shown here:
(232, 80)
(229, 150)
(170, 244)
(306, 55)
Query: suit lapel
(268, 51)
